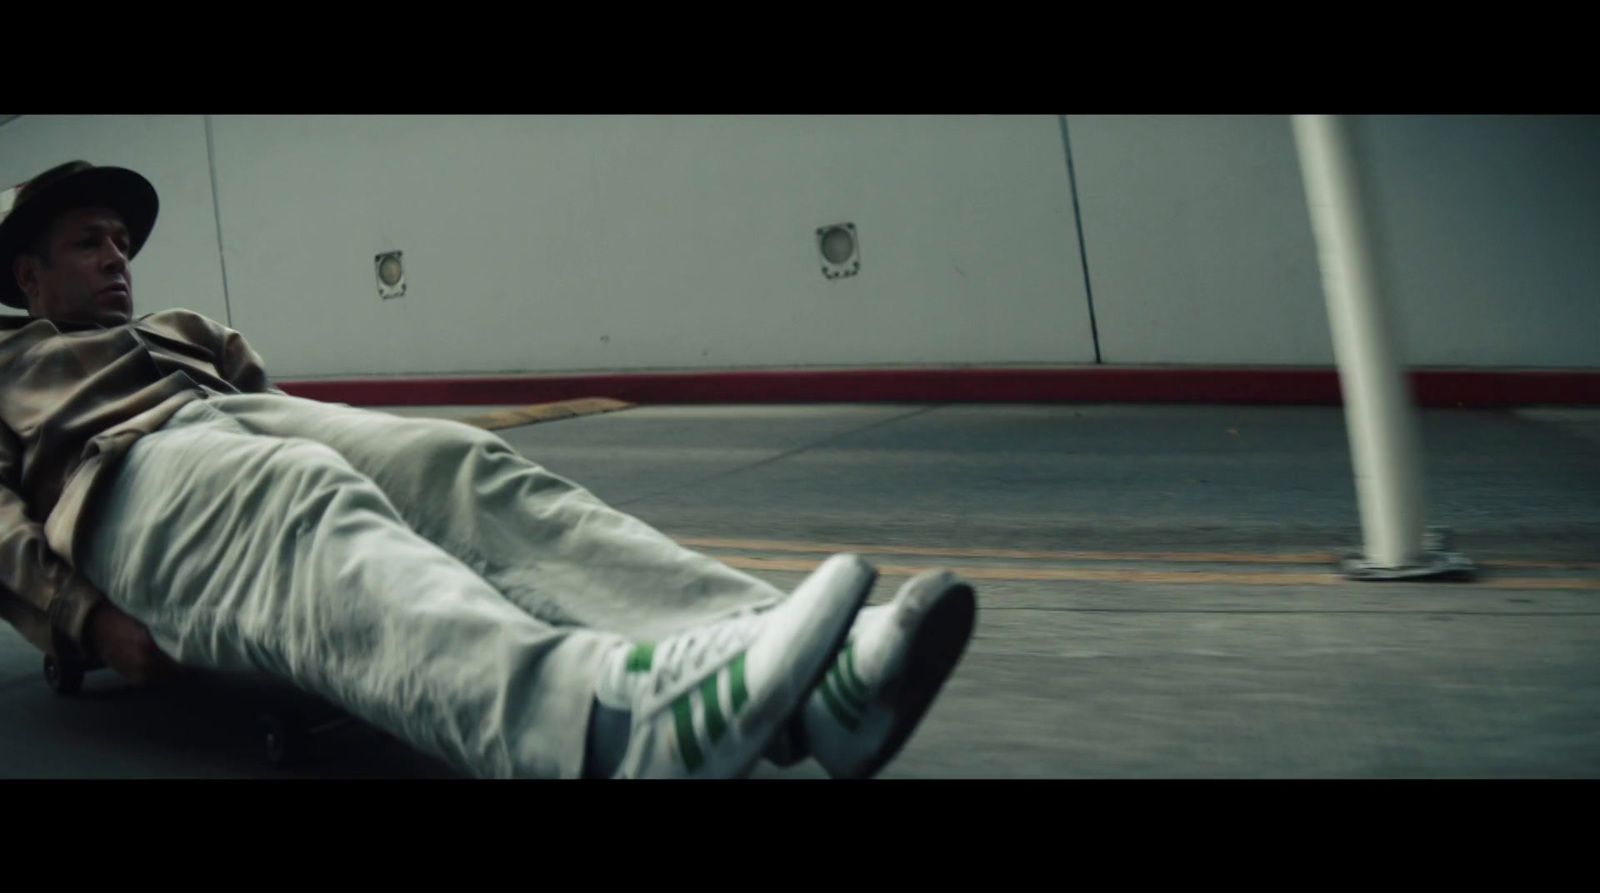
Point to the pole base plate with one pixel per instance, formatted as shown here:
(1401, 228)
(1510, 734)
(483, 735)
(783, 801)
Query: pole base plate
(1432, 565)
(1437, 562)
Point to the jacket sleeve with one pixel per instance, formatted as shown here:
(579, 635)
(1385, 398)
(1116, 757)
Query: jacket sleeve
(40, 594)
(240, 365)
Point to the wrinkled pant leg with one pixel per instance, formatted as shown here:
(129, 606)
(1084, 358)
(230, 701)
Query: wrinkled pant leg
(263, 554)
(548, 544)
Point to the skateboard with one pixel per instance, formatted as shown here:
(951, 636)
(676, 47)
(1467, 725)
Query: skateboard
(288, 722)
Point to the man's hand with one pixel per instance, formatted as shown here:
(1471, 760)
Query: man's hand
(125, 645)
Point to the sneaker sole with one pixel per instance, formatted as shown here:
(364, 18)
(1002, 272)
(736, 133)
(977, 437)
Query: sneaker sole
(945, 620)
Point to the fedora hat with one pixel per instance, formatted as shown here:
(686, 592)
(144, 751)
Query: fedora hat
(67, 187)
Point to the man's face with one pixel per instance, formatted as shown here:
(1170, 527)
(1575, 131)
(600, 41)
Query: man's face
(83, 274)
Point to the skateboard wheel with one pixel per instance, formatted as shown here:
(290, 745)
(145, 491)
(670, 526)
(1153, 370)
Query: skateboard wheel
(63, 677)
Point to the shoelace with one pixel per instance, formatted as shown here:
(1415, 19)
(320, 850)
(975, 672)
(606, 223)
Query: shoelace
(690, 652)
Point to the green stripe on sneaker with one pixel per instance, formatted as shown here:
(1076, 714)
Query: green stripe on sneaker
(857, 705)
(836, 707)
(715, 725)
(855, 686)
(741, 695)
(683, 715)
(641, 657)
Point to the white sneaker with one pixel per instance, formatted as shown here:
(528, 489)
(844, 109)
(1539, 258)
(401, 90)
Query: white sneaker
(884, 679)
(707, 702)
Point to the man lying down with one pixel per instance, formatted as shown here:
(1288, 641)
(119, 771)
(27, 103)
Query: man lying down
(162, 505)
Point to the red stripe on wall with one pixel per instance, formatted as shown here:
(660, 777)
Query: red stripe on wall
(1091, 384)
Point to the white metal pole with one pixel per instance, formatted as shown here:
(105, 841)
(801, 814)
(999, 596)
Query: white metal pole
(1378, 411)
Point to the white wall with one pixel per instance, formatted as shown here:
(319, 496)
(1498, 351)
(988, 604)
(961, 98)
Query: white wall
(569, 243)
(1198, 240)
(1200, 249)
(179, 266)
(1491, 227)
(579, 243)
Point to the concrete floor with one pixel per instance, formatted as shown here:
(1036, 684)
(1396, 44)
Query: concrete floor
(1155, 589)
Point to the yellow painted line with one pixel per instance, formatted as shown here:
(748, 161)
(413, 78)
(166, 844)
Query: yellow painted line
(1546, 565)
(1538, 583)
(1038, 574)
(1049, 555)
(545, 412)
(1030, 554)
(1050, 573)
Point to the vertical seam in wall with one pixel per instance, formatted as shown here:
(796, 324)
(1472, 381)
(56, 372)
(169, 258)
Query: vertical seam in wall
(1083, 254)
(216, 211)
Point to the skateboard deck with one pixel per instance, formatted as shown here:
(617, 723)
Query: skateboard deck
(287, 724)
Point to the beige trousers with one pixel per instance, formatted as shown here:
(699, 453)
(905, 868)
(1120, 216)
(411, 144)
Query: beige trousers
(418, 573)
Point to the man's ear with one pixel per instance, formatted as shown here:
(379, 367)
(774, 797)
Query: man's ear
(25, 269)
(22, 271)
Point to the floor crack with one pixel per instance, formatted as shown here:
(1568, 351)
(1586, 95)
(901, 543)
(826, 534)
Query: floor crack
(778, 458)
